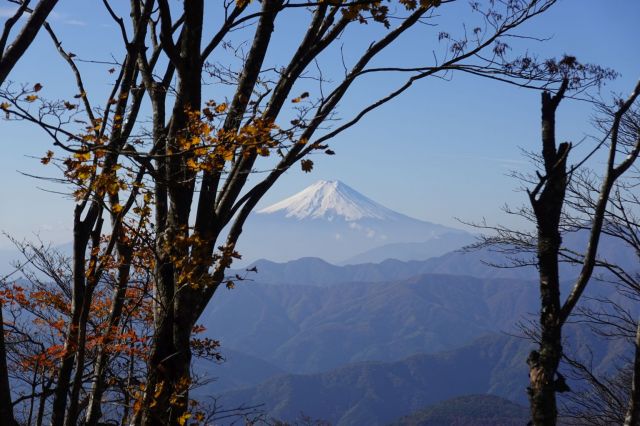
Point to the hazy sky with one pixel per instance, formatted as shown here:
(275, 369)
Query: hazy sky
(441, 151)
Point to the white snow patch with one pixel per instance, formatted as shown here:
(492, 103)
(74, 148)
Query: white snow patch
(327, 199)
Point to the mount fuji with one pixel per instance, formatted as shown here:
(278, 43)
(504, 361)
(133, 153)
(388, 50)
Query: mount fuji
(334, 222)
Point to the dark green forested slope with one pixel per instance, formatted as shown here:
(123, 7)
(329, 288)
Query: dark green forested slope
(469, 410)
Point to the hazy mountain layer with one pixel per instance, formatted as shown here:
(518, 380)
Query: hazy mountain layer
(478, 263)
(375, 393)
(310, 329)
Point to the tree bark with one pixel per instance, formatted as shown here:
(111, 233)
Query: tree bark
(81, 234)
(633, 413)
(94, 409)
(543, 363)
(6, 408)
(23, 40)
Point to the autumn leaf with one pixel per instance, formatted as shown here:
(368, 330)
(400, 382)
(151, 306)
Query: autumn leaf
(47, 158)
(69, 105)
(230, 285)
(307, 165)
(83, 156)
(31, 98)
(183, 418)
(37, 87)
(83, 174)
(221, 108)
(4, 106)
(304, 95)
(198, 329)
(330, 152)
(192, 164)
(111, 70)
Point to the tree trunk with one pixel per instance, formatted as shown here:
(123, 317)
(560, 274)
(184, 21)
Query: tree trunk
(6, 408)
(94, 411)
(81, 234)
(543, 363)
(633, 413)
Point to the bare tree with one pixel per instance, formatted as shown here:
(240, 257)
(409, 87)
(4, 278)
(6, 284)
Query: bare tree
(548, 207)
(611, 318)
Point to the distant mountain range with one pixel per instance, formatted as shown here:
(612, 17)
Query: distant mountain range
(306, 329)
(376, 393)
(332, 221)
(366, 344)
(476, 263)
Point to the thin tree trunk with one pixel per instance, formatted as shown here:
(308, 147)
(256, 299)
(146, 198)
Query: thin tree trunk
(81, 234)
(94, 411)
(633, 413)
(126, 393)
(34, 386)
(74, 397)
(43, 398)
(6, 408)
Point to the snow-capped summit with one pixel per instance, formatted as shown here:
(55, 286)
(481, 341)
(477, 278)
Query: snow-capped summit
(336, 223)
(329, 199)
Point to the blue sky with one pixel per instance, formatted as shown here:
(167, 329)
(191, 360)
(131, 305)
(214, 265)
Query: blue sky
(441, 151)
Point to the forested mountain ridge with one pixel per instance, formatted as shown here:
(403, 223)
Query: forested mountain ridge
(308, 329)
(375, 393)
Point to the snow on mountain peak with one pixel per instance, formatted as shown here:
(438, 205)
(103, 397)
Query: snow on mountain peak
(328, 199)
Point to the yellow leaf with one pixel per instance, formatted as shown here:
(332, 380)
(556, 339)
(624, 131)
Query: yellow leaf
(117, 208)
(83, 156)
(113, 187)
(221, 108)
(31, 98)
(191, 163)
(4, 106)
(183, 418)
(83, 174)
